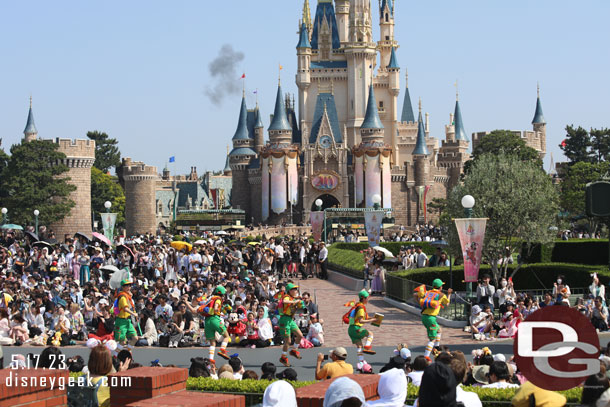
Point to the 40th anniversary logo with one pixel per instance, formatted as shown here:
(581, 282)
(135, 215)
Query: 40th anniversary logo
(557, 348)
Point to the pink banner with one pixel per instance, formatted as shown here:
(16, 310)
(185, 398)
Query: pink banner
(293, 181)
(265, 188)
(279, 186)
(372, 221)
(359, 175)
(317, 220)
(471, 233)
(372, 179)
(387, 182)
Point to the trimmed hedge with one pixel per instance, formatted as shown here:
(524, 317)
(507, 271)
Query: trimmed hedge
(349, 262)
(582, 251)
(576, 275)
(254, 390)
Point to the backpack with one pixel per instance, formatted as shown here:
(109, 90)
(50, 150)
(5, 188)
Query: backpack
(207, 309)
(354, 309)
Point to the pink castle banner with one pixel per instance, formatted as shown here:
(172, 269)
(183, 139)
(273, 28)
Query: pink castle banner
(279, 193)
(372, 222)
(317, 220)
(359, 176)
(472, 233)
(265, 188)
(372, 180)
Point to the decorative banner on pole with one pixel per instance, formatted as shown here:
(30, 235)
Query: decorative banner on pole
(422, 193)
(108, 221)
(426, 189)
(472, 233)
(317, 220)
(372, 222)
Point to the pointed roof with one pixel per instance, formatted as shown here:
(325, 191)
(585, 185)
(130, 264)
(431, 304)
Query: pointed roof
(538, 116)
(371, 118)
(389, 4)
(30, 127)
(393, 60)
(241, 133)
(306, 15)
(227, 166)
(420, 145)
(407, 108)
(326, 109)
(325, 9)
(304, 37)
(259, 120)
(460, 133)
(280, 121)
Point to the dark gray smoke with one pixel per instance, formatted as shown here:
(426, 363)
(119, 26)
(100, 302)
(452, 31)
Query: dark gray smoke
(225, 77)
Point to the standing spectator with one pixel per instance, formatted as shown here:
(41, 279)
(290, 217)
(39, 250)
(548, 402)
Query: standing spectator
(421, 260)
(597, 289)
(506, 292)
(485, 292)
(323, 261)
(434, 259)
(561, 291)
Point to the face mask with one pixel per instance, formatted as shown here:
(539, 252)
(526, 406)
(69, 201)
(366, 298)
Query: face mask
(558, 281)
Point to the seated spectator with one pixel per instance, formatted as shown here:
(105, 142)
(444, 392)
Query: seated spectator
(287, 374)
(100, 365)
(392, 389)
(280, 394)
(316, 333)
(481, 323)
(499, 376)
(199, 367)
(561, 291)
(338, 366)
(548, 300)
(599, 315)
(417, 370)
(237, 366)
(226, 372)
(529, 395)
(400, 360)
(344, 392)
(249, 374)
(458, 367)
(593, 388)
(438, 387)
(504, 293)
(268, 370)
(148, 328)
(310, 306)
(510, 326)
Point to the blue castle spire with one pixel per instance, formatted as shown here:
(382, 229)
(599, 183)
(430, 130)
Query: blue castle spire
(420, 145)
(371, 118)
(538, 116)
(30, 127)
(241, 133)
(460, 133)
(280, 120)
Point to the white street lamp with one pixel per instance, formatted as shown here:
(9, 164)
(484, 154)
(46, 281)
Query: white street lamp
(319, 203)
(107, 205)
(4, 211)
(36, 213)
(376, 200)
(468, 201)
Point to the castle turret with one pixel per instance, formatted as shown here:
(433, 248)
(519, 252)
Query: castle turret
(307, 16)
(454, 150)
(394, 73)
(30, 131)
(303, 77)
(386, 31)
(407, 109)
(342, 13)
(372, 128)
(540, 124)
(140, 186)
(239, 160)
(280, 130)
(259, 131)
(420, 153)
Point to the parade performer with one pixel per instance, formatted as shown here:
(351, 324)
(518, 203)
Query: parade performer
(212, 311)
(356, 317)
(124, 310)
(431, 302)
(289, 302)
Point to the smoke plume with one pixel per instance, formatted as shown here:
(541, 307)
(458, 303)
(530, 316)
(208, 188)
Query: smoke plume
(225, 78)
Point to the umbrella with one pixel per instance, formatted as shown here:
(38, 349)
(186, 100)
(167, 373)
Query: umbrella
(117, 277)
(42, 244)
(102, 238)
(178, 245)
(384, 251)
(11, 226)
(199, 242)
(439, 243)
(110, 268)
(33, 236)
(221, 232)
(239, 244)
(254, 243)
(81, 234)
(52, 241)
(122, 247)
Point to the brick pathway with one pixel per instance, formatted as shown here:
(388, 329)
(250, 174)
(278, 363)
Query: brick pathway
(398, 325)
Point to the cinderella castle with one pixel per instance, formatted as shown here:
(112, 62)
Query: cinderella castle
(347, 141)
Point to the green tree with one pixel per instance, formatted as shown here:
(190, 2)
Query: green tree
(437, 206)
(576, 145)
(506, 142)
(35, 179)
(107, 154)
(519, 200)
(104, 188)
(600, 143)
(3, 165)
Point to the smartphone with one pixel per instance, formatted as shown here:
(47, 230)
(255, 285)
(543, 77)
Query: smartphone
(325, 357)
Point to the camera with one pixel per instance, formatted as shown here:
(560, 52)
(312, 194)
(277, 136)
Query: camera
(325, 357)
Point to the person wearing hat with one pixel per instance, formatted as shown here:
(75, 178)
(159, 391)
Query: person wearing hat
(338, 367)
(357, 318)
(123, 326)
(431, 302)
(289, 302)
(213, 324)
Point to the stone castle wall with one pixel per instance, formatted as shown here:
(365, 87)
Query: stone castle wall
(80, 155)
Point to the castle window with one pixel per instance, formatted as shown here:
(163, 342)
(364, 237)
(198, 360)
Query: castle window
(387, 38)
(386, 17)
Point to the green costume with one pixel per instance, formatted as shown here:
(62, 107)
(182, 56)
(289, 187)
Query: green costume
(213, 323)
(123, 327)
(356, 331)
(287, 324)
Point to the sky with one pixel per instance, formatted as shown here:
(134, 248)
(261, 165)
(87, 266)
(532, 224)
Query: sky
(140, 70)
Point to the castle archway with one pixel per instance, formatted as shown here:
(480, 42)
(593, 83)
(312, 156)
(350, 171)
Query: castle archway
(328, 201)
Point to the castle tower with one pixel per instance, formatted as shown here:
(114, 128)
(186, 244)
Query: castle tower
(420, 154)
(140, 185)
(239, 159)
(30, 131)
(386, 30)
(540, 125)
(80, 156)
(454, 150)
(259, 131)
(303, 78)
(407, 108)
(342, 13)
(227, 170)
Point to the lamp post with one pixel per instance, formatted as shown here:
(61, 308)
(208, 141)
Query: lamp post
(36, 213)
(376, 201)
(468, 202)
(319, 205)
(4, 211)
(107, 205)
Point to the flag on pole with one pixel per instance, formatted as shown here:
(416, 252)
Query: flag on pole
(172, 159)
(563, 143)
(281, 67)
(255, 92)
(243, 76)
